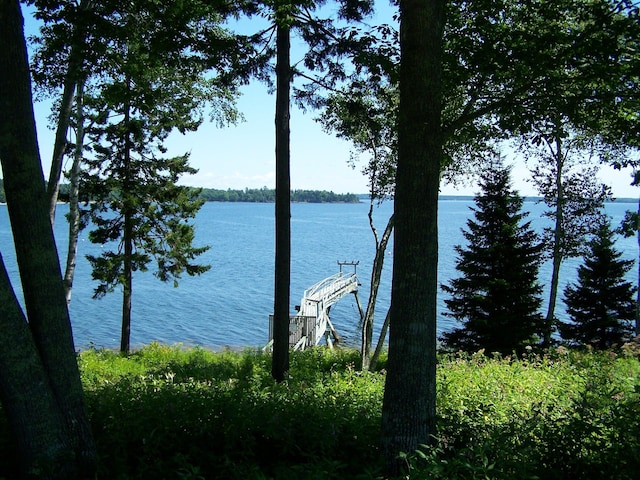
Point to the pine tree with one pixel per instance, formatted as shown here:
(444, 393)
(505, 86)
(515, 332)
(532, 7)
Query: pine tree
(152, 83)
(498, 297)
(601, 305)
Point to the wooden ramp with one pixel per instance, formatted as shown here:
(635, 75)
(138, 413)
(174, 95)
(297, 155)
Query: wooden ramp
(312, 323)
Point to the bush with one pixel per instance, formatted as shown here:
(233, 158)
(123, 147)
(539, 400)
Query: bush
(176, 413)
(565, 415)
(193, 412)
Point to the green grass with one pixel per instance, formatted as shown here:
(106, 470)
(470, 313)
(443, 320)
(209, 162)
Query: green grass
(176, 413)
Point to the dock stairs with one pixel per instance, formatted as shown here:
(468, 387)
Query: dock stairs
(312, 323)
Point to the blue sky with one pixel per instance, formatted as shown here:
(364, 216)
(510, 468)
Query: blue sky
(244, 155)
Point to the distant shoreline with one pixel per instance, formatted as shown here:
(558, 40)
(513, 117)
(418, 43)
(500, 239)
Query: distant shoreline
(362, 198)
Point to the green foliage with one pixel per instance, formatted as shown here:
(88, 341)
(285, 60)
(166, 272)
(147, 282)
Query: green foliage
(562, 416)
(497, 296)
(2, 197)
(151, 82)
(174, 412)
(567, 179)
(366, 114)
(601, 305)
(222, 414)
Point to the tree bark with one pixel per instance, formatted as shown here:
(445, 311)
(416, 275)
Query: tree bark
(35, 421)
(638, 292)
(60, 142)
(376, 274)
(74, 208)
(127, 235)
(64, 115)
(280, 360)
(127, 285)
(36, 252)
(558, 239)
(383, 333)
(408, 412)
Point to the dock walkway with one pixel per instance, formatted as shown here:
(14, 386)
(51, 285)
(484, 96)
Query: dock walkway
(312, 323)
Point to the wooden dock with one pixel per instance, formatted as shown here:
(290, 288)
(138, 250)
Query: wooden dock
(312, 323)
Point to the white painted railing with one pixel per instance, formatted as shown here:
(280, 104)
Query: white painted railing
(311, 324)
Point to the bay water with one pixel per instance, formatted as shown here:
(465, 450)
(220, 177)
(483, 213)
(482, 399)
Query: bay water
(229, 305)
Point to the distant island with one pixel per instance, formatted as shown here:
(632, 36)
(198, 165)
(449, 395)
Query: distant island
(253, 195)
(268, 195)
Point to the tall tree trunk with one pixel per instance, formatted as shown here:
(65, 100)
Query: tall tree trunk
(74, 208)
(409, 404)
(280, 360)
(60, 142)
(376, 274)
(637, 329)
(125, 334)
(64, 114)
(36, 423)
(127, 234)
(36, 252)
(558, 240)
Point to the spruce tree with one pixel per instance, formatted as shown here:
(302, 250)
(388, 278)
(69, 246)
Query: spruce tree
(497, 297)
(152, 82)
(601, 305)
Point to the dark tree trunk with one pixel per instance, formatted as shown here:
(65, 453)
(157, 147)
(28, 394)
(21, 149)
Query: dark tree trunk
(408, 412)
(127, 236)
(127, 285)
(280, 360)
(37, 426)
(638, 292)
(36, 253)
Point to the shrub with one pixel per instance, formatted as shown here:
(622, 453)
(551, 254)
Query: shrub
(177, 413)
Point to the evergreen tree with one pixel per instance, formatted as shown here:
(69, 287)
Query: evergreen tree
(152, 83)
(497, 298)
(601, 305)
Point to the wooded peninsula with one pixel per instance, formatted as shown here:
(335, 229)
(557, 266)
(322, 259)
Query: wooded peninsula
(253, 195)
(268, 195)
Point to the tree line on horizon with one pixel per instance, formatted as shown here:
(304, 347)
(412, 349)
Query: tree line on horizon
(268, 195)
(251, 195)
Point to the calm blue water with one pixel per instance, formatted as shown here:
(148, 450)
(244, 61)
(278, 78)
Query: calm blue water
(230, 304)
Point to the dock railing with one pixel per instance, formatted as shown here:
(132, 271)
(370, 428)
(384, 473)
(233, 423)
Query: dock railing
(312, 322)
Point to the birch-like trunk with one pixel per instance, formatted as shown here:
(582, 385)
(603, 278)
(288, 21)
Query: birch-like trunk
(376, 274)
(74, 207)
(558, 240)
(64, 114)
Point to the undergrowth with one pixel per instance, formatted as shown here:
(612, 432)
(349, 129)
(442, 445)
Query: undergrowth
(176, 413)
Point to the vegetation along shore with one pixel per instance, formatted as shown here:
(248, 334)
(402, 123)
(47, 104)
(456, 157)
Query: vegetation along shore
(259, 195)
(172, 412)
